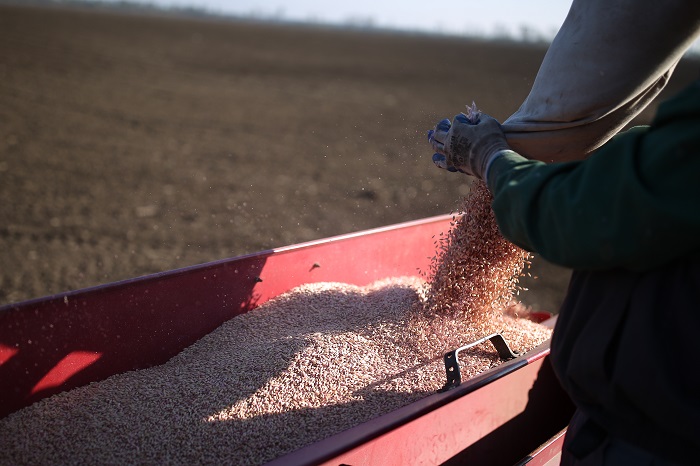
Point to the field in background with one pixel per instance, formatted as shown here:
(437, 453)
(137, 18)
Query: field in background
(136, 144)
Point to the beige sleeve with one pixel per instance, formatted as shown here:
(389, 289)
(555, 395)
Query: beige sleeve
(608, 61)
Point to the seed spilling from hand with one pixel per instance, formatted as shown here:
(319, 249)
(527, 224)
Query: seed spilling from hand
(475, 272)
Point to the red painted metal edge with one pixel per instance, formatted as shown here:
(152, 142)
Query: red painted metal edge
(337, 446)
(60, 342)
(548, 454)
(452, 426)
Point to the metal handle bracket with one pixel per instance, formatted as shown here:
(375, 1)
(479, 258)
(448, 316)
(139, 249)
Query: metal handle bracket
(454, 377)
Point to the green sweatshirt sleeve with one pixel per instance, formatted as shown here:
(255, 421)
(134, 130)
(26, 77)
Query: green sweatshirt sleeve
(633, 204)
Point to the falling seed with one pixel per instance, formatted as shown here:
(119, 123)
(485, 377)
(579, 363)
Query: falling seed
(475, 251)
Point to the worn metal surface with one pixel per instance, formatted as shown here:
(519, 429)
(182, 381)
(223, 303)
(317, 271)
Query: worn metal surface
(61, 342)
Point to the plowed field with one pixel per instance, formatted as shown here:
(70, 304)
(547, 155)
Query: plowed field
(137, 144)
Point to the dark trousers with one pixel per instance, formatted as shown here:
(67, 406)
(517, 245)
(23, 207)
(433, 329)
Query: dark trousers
(588, 444)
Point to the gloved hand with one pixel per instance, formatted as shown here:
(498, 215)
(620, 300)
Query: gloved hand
(467, 144)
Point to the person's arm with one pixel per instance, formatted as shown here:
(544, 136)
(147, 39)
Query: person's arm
(633, 204)
(608, 61)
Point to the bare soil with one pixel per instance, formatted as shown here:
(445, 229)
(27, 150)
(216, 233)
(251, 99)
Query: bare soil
(136, 144)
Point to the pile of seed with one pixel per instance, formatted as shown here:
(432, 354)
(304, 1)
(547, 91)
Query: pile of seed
(476, 270)
(310, 363)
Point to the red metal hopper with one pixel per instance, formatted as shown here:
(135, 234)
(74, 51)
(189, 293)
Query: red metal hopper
(512, 414)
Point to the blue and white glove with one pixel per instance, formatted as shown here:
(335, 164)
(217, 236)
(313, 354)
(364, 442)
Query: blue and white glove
(468, 144)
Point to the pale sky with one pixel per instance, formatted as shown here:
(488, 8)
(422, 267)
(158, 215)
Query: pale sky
(490, 18)
(474, 17)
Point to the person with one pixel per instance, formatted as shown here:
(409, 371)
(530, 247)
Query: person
(620, 210)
